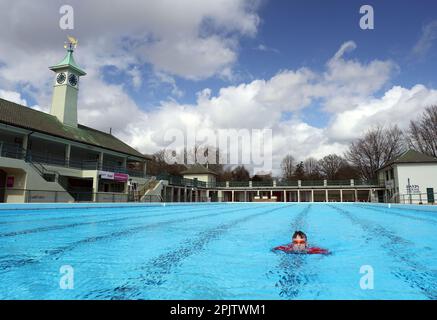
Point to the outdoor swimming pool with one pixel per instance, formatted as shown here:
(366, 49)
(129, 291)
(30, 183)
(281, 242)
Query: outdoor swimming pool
(216, 251)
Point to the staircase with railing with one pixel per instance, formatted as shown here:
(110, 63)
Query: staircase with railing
(145, 192)
(17, 152)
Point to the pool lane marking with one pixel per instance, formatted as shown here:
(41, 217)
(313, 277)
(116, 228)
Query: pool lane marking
(17, 212)
(77, 224)
(392, 212)
(146, 214)
(393, 206)
(6, 263)
(76, 206)
(291, 278)
(153, 274)
(422, 275)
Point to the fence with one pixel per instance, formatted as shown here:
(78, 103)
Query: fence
(15, 151)
(184, 182)
(38, 196)
(416, 198)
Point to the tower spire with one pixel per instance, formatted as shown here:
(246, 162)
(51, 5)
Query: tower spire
(66, 87)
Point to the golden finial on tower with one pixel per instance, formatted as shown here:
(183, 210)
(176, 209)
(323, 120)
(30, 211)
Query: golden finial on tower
(71, 44)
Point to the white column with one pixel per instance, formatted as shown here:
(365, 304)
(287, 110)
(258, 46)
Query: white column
(312, 195)
(25, 144)
(95, 186)
(326, 195)
(67, 154)
(232, 198)
(341, 195)
(298, 195)
(145, 168)
(101, 161)
(285, 196)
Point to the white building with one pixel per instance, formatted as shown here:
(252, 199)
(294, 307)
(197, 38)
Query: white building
(53, 158)
(410, 178)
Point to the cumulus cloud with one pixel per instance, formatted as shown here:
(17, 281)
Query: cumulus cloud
(13, 96)
(194, 39)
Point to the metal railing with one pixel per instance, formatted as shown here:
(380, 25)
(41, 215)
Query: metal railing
(39, 196)
(184, 182)
(287, 183)
(262, 183)
(15, 151)
(312, 183)
(416, 198)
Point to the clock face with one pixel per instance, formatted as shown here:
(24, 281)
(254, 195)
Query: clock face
(72, 80)
(60, 78)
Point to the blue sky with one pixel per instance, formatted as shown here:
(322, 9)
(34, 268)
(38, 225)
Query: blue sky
(304, 69)
(297, 34)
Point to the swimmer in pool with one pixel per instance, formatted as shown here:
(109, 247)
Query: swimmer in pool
(299, 244)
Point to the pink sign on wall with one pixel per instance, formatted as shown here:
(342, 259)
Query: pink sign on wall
(10, 182)
(121, 177)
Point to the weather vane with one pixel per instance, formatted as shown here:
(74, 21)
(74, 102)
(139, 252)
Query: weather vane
(71, 44)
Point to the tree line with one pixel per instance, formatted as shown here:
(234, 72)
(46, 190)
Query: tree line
(360, 161)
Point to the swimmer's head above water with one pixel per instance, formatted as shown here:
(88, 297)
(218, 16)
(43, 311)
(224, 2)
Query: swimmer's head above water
(299, 241)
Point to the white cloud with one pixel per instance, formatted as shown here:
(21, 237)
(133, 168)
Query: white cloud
(262, 47)
(398, 105)
(13, 96)
(429, 35)
(195, 39)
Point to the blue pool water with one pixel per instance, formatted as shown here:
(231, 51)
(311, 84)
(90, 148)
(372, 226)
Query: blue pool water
(216, 251)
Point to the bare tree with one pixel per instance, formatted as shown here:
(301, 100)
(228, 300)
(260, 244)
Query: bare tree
(240, 173)
(162, 163)
(288, 167)
(311, 167)
(331, 165)
(208, 156)
(378, 146)
(422, 134)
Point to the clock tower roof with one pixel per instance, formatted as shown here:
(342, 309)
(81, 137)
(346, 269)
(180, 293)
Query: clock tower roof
(68, 62)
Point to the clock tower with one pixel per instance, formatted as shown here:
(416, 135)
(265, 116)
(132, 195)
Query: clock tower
(66, 87)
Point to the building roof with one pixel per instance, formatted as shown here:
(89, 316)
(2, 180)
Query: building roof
(27, 118)
(198, 169)
(410, 156)
(68, 62)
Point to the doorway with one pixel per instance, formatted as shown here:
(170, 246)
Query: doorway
(2, 186)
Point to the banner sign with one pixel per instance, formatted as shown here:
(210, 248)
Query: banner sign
(106, 175)
(121, 177)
